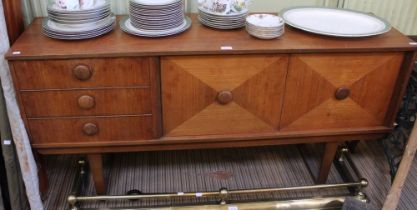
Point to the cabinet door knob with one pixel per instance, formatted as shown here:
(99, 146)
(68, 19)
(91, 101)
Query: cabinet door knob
(82, 72)
(225, 97)
(90, 129)
(86, 102)
(342, 93)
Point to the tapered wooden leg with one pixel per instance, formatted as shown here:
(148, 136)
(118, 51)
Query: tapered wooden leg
(43, 177)
(96, 169)
(330, 150)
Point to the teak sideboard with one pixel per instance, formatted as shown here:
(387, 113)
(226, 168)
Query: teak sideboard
(206, 88)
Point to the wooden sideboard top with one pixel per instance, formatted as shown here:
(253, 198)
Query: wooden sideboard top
(197, 40)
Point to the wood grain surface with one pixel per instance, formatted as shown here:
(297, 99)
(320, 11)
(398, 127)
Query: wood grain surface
(13, 14)
(330, 150)
(192, 89)
(197, 40)
(59, 74)
(313, 80)
(121, 93)
(141, 146)
(71, 130)
(126, 101)
(95, 162)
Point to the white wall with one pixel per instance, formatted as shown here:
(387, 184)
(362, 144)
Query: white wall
(402, 14)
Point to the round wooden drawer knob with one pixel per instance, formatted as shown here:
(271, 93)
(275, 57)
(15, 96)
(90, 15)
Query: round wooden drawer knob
(82, 72)
(86, 102)
(342, 93)
(90, 129)
(225, 97)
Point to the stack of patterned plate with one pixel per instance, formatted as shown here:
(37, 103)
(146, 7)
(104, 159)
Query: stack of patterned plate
(155, 18)
(265, 26)
(230, 20)
(79, 24)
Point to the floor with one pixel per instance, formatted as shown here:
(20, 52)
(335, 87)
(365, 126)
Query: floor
(210, 170)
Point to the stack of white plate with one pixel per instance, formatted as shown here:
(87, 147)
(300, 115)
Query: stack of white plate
(79, 24)
(155, 18)
(265, 26)
(230, 20)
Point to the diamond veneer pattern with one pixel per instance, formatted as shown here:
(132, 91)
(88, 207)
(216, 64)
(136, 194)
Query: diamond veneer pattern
(224, 75)
(272, 90)
(212, 121)
(257, 98)
(245, 81)
(200, 95)
(364, 75)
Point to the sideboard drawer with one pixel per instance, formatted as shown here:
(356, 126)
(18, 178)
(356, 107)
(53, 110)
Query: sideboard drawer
(82, 73)
(99, 102)
(215, 95)
(103, 129)
(339, 90)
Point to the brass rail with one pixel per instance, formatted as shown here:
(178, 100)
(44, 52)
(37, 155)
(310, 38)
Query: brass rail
(220, 194)
(223, 195)
(317, 203)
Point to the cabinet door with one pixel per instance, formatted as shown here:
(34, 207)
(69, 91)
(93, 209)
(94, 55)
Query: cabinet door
(216, 95)
(339, 90)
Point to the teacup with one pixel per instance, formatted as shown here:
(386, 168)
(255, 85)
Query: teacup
(68, 4)
(205, 4)
(221, 6)
(87, 4)
(224, 6)
(239, 5)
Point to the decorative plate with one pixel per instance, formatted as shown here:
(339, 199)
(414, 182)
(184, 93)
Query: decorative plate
(335, 22)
